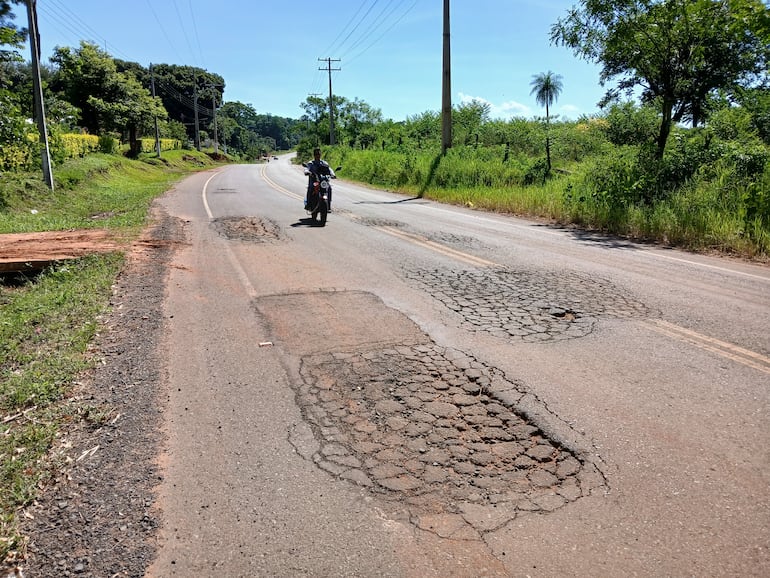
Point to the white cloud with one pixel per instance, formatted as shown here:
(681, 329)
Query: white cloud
(570, 111)
(504, 110)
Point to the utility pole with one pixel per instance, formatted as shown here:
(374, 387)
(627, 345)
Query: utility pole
(214, 110)
(329, 69)
(195, 110)
(446, 88)
(157, 130)
(213, 88)
(34, 45)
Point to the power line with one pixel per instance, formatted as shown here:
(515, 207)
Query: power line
(378, 21)
(195, 30)
(182, 26)
(360, 21)
(71, 20)
(162, 29)
(400, 18)
(329, 50)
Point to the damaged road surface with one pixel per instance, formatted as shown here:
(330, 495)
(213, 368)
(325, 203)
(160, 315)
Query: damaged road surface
(420, 390)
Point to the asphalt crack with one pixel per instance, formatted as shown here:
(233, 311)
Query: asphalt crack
(529, 305)
(424, 426)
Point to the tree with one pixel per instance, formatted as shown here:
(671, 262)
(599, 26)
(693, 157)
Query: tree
(546, 87)
(128, 107)
(677, 51)
(355, 119)
(10, 34)
(467, 119)
(179, 87)
(82, 73)
(108, 100)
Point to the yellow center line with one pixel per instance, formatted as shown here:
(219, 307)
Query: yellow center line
(276, 186)
(443, 249)
(728, 350)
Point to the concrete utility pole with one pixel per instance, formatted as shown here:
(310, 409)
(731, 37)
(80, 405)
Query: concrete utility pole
(34, 45)
(157, 130)
(446, 88)
(213, 88)
(214, 110)
(329, 69)
(195, 110)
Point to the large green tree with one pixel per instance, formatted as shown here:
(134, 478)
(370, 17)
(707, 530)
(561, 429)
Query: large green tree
(467, 120)
(677, 52)
(185, 88)
(108, 100)
(127, 107)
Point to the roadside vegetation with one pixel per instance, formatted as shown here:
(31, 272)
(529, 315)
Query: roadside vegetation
(709, 192)
(48, 321)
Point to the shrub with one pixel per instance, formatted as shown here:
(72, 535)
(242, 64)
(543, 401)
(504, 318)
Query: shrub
(18, 139)
(108, 144)
(72, 146)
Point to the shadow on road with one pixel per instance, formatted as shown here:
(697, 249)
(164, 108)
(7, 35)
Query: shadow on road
(307, 222)
(387, 202)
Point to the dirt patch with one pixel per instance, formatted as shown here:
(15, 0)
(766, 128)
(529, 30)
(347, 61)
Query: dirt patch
(253, 229)
(34, 251)
(98, 518)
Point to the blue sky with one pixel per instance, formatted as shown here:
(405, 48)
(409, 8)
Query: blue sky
(389, 50)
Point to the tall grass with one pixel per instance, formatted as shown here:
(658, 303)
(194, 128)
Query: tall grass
(679, 202)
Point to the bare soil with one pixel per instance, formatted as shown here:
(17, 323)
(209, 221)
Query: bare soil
(29, 251)
(97, 518)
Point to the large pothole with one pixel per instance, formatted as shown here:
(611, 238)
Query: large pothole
(252, 229)
(530, 305)
(421, 425)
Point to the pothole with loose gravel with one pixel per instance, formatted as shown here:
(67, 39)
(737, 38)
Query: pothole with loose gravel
(252, 229)
(426, 426)
(530, 305)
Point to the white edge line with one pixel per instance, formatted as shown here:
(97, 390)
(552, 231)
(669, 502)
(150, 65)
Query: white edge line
(706, 265)
(203, 195)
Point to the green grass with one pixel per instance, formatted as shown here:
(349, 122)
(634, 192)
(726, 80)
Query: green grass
(48, 321)
(707, 213)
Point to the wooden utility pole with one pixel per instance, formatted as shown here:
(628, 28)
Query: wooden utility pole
(329, 69)
(34, 45)
(446, 88)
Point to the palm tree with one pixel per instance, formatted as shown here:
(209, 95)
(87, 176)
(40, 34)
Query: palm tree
(546, 87)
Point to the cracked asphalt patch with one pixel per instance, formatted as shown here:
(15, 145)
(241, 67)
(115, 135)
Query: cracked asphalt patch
(531, 305)
(423, 424)
(423, 427)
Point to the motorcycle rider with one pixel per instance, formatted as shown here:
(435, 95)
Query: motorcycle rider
(319, 167)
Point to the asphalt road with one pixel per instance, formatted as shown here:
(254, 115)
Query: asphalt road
(424, 390)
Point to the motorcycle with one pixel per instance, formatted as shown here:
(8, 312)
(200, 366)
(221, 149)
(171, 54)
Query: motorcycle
(319, 197)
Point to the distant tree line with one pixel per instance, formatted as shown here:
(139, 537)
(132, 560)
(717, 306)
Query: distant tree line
(87, 90)
(683, 60)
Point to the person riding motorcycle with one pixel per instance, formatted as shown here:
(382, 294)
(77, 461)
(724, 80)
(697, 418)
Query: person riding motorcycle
(317, 167)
